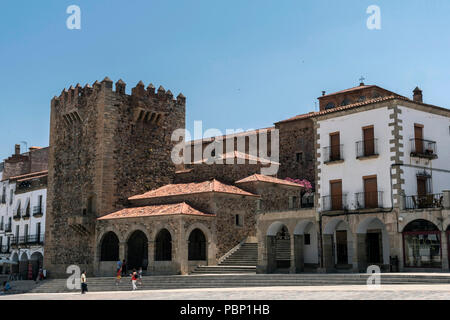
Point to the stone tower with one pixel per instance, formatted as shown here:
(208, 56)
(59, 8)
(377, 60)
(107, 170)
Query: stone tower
(105, 146)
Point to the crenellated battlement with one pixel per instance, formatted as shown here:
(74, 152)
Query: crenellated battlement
(71, 95)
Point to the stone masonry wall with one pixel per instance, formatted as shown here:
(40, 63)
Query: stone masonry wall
(105, 145)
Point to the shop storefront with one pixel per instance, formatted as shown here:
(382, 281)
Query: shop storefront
(422, 245)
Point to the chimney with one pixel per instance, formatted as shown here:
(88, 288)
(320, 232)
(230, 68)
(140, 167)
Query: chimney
(17, 149)
(323, 93)
(417, 95)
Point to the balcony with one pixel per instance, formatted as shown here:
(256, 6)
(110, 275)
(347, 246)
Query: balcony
(423, 148)
(16, 216)
(424, 201)
(333, 154)
(308, 201)
(35, 239)
(3, 199)
(27, 240)
(369, 200)
(37, 211)
(367, 149)
(334, 202)
(26, 213)
(2, 227)
(8, 227)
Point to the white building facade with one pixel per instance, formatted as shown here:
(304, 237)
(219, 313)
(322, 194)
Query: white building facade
(22, 220)
(383, 181)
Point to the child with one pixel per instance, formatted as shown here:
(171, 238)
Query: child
(118, 276)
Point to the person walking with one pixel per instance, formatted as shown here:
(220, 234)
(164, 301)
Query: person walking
(140, 276)
(118, 276)
(84, 288)
(39, 275)
(134, 279)
(119, 265)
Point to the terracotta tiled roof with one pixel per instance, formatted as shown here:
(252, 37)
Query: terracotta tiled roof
(269, 179)
(31, 178)
(156, 210)
(240, 155)
(192, 188)
(350, 90)
(340, 108)
(29, 175)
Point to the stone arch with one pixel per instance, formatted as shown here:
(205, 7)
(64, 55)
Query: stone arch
(338, 243)
(306, 245)
(137, 249)
(23, 265)
(422, 244)
(275, 227)
(36, 260)
(278, 246)
(15, 267)
(407, 219)
(109, 247)
(372, 242)
(163, 245)
(203, 228)
(134, 228)
(197, 249)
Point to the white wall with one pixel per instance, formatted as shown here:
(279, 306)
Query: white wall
(436, 128)
(310, 252)
(352, 170)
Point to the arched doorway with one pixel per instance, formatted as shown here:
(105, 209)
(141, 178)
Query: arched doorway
(36, 260)
(422, 245)
(137, 251)
(23, 266)
(372, 243)
(15, 266)
(109, 250)
(306, 246)
(163, 246)
(338, 245)
(197, 246)
(278, 246)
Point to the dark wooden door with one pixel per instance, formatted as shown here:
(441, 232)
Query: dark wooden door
(374, 252)
(341, 247)
(369, 145)
(335, 152)
(418, 136)
(336, 195)
(370, 192)
(421, 186)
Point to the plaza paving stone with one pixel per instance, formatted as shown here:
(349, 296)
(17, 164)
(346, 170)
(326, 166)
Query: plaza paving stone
(358, 292)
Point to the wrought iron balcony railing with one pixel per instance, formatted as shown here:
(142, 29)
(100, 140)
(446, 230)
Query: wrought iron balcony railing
(423, 148)
(2, 226)
(334, 202)
(8, 227)
(369, 200)
(26, 213)
(37, 211)
(424, 201)
(3, 199)
(333, 153)
(366, 148)
(27, 240)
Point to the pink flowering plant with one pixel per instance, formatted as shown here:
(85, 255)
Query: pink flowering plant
(305, 183)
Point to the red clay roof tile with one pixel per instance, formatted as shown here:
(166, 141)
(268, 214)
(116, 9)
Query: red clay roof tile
(192, 188)
(156, 210)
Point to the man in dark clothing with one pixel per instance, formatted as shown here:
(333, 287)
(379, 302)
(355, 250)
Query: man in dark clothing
(124, 268)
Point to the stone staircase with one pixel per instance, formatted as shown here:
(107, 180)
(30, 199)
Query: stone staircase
(236, 281)
(242, 260)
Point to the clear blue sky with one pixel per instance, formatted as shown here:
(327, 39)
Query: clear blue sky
(240, 63)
